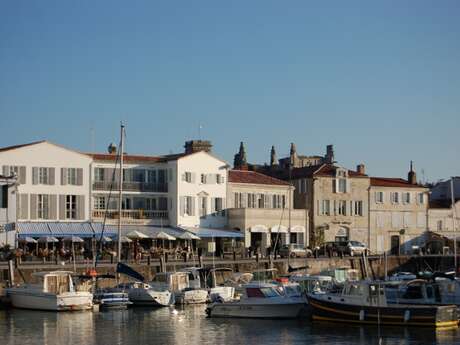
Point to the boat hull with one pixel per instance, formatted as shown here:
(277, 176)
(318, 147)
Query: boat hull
(256, 311)
(46, 301)
(194, 296)
(152, 298)
(404, 315)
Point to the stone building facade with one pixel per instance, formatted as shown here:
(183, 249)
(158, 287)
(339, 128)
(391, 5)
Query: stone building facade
(261, 207)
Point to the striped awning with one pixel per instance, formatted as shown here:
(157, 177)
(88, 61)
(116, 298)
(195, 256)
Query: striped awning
(31, 229)
(61, 229)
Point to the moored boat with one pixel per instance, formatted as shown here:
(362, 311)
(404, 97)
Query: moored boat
(365, 302)
(53, 291)
(259, 300)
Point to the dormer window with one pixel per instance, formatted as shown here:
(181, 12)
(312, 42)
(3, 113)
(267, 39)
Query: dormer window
(341, 181)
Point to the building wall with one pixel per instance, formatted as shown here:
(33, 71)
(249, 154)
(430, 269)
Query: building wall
(354, 227)
(52, 156)
(197, 164)
(441, 191)
(7, 201)
(440, 220)
(407, 220)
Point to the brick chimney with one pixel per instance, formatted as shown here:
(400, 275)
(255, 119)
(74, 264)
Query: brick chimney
(361, 169)
(193, 146)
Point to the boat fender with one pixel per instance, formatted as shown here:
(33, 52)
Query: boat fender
(406, 315)
(361, 315)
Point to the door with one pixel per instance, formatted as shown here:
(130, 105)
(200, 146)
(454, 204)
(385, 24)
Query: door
(395, 245)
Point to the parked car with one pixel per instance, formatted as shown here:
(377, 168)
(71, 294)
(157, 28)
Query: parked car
(294, 250)
(328, 248)
(352, 248)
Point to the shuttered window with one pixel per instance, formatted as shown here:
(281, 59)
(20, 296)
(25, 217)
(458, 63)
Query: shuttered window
(71, 207)
(43, 206)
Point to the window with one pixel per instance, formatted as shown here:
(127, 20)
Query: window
(203, 204)
(406, 198)
(251, 200)
(219, 179)
(43, 176)
(326, 208)
(260, 201)
(188, 177)
(358, 208)
(138, 175)
(342, 185)
(216, 205)
(395, 198)
(439, 224)
(379, 197)
(99, 174)
(342, 208)
(71, 207)
(152, 176)
(151, 204)
(203, 178)
(277, 202)
(72, 176)
(43, 206)
(163, 203)
(421, 198)
(99, 203)
(238, 200)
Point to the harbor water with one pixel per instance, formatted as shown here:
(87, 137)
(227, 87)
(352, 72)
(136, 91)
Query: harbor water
(189, 325)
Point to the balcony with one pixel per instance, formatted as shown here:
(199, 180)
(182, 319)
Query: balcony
(131, 186)
(134, 217)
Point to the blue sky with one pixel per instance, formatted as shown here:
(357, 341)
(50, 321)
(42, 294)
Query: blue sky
(379, 80)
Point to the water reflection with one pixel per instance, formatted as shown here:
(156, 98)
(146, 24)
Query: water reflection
(179, 326)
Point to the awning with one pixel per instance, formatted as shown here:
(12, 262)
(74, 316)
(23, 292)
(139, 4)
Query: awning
(259, 228)
(30, 229)
(298, 228)
(277, 228)
(213, 233)
(61, 229)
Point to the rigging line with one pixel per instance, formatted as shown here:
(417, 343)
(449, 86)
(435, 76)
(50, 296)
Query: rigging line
(107, 206)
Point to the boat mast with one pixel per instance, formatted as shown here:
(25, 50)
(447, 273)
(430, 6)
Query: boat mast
(120, 198)
(454, 218)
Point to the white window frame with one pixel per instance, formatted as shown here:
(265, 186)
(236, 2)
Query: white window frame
(43, 204)
(326, 208)
(70, 206)
(421, 198)
(188, 177)
(43, 175)
(342, 207)
(72, 176)
(406, 197)
(379, 197)
(395, 197)
(358, 208)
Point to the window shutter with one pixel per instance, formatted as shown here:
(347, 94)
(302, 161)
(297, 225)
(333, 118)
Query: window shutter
(52, 206)
(193, 177)
(23, 211)
(183, 177)
(182, 205)
(213, 205)
(33, 206)
(80, 207)
(348, 186)
(22, 174)
(6, 170)
(62, 207)
(351, 208)
(79, 177)
(193, 205)
(51, 176)
(34, 176)
(63, 176)
(335, 187)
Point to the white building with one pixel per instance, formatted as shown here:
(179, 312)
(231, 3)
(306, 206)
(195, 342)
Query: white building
(53, 182)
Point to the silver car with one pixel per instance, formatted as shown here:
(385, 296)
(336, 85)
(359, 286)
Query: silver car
(295, 250)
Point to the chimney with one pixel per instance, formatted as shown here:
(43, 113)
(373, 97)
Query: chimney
(240, 161)
(273, 161)
(193, 146)
(112, 149)
(361, 169)
(329, 154)
(412, 176)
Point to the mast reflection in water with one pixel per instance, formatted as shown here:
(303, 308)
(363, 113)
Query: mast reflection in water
(190, 326)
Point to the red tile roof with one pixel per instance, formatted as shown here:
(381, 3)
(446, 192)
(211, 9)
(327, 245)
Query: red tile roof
(392, 182)
(247, 176)
(320, 170)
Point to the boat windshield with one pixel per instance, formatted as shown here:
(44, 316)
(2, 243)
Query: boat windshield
(264, 276)
(263, 292)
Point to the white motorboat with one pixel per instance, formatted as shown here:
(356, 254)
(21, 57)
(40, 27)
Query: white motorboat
(186, 286)
(53, 291)
(260, 300)
(143, 294)
(112, 299)
(213, 281)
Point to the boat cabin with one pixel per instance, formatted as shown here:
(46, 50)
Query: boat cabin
(175, 281)
(313, 283)
(263, 290)
(265, 275)
(56, 282)
(364, 293)
(219, 277)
